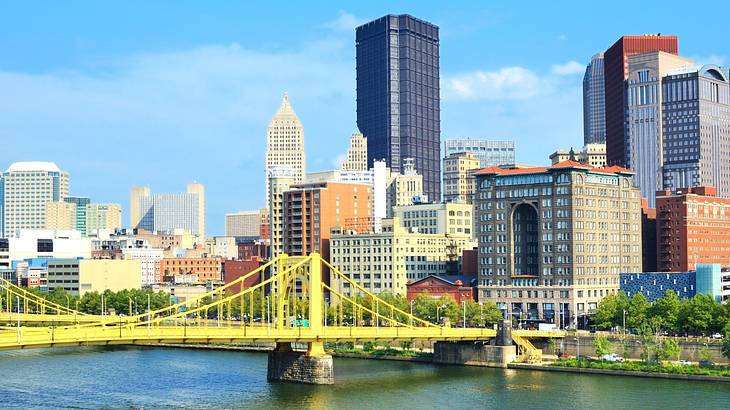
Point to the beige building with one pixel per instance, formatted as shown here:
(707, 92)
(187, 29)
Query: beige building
(285, 143)
(458, 177)
(26, 188)
(388, 260)
(357, 154)
(243, 223)
(280, 180)
(451, 218)
(403, 189)
(98, 275)
(103, 216)
(591, 154)
(135, 200)
(553, 240)
(170, 242)
(60, 216)
(644, 152)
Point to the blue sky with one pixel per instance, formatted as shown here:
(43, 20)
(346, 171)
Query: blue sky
(166, 92)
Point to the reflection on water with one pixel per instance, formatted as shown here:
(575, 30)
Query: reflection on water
(122, 377)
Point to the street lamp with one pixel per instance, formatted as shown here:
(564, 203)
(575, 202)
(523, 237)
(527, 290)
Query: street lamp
(577, 339)
(481, 314)
(463, 320)
(624, 323)
(438, 317)
(411, 318)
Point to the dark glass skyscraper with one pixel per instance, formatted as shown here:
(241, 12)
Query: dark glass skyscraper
(398, 104)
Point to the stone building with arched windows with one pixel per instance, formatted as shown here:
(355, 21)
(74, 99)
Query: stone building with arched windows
(554, 240)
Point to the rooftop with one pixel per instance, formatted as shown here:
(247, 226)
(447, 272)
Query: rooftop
(33, 166)
(560, 165)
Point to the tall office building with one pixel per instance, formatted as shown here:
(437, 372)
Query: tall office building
(403, 189)
(285, 143)
(491, 153)
(594, 102)
(135, 199)
(696, 128)
(25, 188)
(616, 71)
(398, 103)
(643, 146)
(103, 216)
(357, 154)
(60, 215)
(80, 203)
(168, 212)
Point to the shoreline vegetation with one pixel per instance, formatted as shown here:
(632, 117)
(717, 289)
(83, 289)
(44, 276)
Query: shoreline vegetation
(643, 367)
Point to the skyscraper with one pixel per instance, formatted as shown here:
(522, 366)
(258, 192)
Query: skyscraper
(357, 154)
(398, 103)
(26, 188)
(285, 143)
(594, 102)
(643, 145)
(491, 153)
(167, 212)
(103, 216)
(616, 71)
(696, 128)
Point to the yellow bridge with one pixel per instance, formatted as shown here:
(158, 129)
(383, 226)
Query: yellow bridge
(288, 306)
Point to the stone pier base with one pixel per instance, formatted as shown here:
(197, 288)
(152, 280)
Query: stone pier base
(286, 365)
(474, 354)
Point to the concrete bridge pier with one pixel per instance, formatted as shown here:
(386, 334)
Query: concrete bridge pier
(311, 367)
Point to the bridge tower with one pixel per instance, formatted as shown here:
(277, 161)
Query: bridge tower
(313, 366)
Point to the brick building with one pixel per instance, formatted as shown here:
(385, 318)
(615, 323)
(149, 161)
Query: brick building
(693, 226)
(312, 210)
(233, 270)
(460, 288)
(205, 269)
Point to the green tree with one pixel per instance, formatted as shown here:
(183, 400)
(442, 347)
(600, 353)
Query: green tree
(668, 349)
(605, 315)
(665, 311)
(726, 341)
(637, 314)
(603, 345)
(695, 314)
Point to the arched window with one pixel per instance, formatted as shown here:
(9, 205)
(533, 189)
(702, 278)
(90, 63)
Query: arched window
(451, 213)
(625, 183)
(579, 179)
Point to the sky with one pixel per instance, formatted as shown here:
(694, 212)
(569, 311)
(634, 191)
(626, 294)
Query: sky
(163, 93)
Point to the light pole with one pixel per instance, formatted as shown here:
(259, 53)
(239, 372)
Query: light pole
(463, 320)
(577, 340)
(481, 314)
(438, 317)
(412, 311)
(17, 302)
(102, 307)
(624, 324)
(130, 305)
(68, 302)
(149, 321)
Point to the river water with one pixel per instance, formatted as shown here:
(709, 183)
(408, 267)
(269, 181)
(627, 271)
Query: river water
(125, 377)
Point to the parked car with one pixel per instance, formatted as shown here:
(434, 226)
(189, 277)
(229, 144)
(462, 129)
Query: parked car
(717, 335)
(613, 357)
(685, 363)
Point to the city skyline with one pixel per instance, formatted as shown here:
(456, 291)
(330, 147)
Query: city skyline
(92, 86)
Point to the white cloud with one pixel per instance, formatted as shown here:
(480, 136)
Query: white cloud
(345, 22)
(162, 119)
(508, 83)
(569, 68)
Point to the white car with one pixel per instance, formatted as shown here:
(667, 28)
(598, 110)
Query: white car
(613, 357)
(717, 336)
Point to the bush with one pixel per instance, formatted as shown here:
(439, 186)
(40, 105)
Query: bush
(369, 346)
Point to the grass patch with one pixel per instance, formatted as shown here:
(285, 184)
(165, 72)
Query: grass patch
(670, 368)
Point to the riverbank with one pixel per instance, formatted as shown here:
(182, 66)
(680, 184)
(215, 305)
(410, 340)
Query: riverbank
(632, 369)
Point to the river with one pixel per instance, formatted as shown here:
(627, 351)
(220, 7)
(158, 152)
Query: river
(125, 377)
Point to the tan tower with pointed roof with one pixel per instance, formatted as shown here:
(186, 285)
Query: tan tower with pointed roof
(285, 144)
(357, 155)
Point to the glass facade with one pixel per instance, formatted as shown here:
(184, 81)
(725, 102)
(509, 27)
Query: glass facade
(81, 203)
(594, 102)
(490, 152)
(696, 124)
(398, 104)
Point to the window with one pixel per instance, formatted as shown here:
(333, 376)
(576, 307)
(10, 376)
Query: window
(45, 245)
